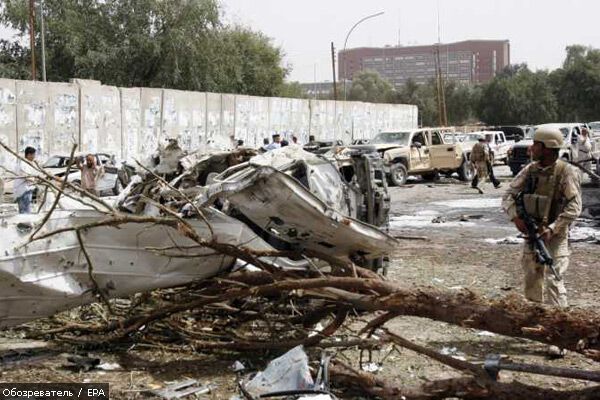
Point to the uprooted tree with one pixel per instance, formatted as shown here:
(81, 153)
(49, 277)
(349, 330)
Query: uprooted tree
(275, 309)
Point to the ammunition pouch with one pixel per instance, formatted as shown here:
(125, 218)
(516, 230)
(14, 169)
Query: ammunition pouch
(536, 205)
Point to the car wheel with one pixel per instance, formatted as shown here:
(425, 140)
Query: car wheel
(466, 172)
(398, 175)
(118, 188)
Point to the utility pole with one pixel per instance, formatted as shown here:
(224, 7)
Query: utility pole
(441, 95)
(333, 67)
(32, 37)
(43, 37)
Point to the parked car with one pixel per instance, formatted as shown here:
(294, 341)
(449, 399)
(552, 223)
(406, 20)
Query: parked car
(595, 127)
(516, 132)
(422, 152)
(109, 182)
(519, 155)
(499, 145)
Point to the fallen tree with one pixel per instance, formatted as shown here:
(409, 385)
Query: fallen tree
(273, 308)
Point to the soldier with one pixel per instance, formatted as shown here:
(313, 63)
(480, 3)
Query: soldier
(480, 157)
(552, 196)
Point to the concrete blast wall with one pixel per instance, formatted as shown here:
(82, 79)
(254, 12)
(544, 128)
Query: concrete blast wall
(132, 122)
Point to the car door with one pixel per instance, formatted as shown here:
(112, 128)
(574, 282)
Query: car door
(419, 154)
(443, 155)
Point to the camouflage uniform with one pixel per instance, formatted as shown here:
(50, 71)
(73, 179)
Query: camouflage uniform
(480, 156)
(561, 183)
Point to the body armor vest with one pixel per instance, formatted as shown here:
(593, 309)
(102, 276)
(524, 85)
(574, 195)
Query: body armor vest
(542, 198)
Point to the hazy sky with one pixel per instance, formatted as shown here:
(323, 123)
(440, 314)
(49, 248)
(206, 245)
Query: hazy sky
(538, 30)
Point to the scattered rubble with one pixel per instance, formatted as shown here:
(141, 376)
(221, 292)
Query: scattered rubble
(157, 265)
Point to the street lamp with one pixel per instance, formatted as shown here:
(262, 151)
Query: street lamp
(346, 42)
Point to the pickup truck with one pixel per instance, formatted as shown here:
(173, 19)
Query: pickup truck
(498, 143)
(519, 156)
(421, 152)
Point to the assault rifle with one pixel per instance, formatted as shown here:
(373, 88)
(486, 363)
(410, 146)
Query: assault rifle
(536, 243)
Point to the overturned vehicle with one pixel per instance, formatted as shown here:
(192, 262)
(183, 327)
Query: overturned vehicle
(287, 209)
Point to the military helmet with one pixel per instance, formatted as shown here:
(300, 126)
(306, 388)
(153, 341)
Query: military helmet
(481, 136)
(551, 137)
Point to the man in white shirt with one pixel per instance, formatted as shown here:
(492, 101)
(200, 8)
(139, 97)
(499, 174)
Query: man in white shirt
(275, 144)
(23, 187)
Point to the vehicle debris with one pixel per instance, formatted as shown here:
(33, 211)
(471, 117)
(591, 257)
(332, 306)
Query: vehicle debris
(182, 389)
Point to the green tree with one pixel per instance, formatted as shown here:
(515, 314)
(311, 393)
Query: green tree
(14, 61)
(519, 96)
(293, 90)
(369, 86)
(179, 44)
(577, 84)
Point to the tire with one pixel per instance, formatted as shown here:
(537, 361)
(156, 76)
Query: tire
(118, 188)
(398, 175)
(466, 172)
(431, 176)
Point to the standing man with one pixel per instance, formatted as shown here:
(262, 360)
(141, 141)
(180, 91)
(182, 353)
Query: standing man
(490, 163)
(584, 150)
(275, 144)
(480, 157)
(552, 196)
(90, 172)
(23, 188)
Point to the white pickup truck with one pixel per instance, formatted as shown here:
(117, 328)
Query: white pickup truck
(497, 140)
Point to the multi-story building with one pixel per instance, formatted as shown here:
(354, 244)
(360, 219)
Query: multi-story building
(471, 61)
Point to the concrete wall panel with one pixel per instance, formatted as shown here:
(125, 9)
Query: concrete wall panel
(100, 115)
(131, 122)
(32, 116)
(251, 119)
(183, 117)
(150, 133)
(228, 122)
(63, 117)
(8, 122)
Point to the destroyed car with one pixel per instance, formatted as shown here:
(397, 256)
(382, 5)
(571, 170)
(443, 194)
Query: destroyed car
(285, 200)
(421, 152)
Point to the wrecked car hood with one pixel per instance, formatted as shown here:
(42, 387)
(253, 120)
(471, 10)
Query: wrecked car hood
(282, 208)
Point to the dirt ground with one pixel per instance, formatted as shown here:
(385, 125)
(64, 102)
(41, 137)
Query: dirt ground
(459, 226)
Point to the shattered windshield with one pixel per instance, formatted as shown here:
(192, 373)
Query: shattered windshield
(392, 137)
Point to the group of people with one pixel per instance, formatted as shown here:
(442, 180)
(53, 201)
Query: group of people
(24, 182)
(276, 142)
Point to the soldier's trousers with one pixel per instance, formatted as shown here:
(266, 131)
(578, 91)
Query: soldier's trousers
(541, 285)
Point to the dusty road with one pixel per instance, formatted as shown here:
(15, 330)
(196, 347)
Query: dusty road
(461, 228)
